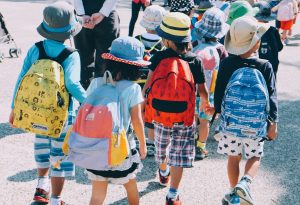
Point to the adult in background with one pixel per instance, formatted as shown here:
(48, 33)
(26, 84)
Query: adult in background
(101, 27)
(135, 10)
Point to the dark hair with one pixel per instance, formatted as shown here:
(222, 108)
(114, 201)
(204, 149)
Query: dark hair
(210, 39)
(128, 72)
(183, 46)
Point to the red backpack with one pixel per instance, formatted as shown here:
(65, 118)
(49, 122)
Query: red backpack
(171, 94)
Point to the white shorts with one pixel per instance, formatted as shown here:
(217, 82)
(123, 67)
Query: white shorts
(234, 146)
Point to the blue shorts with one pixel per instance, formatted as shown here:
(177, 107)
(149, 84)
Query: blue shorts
(47, 149)
(201, 114)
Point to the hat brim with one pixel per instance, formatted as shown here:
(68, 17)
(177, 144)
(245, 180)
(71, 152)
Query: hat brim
(139, 63)
(253, 13)
(176, 39)
(60, 36)
(148, 25)
(272, 17)
(201, 33)
(242, 49)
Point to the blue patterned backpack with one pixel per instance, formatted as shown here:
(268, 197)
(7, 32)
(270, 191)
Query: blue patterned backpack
(245, 105)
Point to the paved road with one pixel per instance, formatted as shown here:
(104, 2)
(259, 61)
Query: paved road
(278, 181)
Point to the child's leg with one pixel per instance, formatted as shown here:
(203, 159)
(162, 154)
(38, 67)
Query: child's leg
(233, 170)
(203, 130)
(99, 190)
(284, 34)
(57, 185)
(252, 166)
(132, 192)
(176, 175)
(58, 175)
(42, 159)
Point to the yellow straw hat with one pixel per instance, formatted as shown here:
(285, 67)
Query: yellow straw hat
(175, 27)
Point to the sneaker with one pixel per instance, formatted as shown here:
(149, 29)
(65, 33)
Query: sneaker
(41, 196)
(150, 149)
(231, 199)
(286, 41)
(173, 202)
(163, 180)
(243, 191)
(201, 153)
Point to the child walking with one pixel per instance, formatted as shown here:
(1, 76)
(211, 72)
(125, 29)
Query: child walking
(59, 24)
(152, 18)
(209, 30)
(244, 130)
(286, 13)
(170, 101)
(271, 43)
(123, 62)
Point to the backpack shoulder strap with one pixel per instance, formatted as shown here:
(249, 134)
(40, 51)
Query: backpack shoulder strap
(42, 52)
(64, 55)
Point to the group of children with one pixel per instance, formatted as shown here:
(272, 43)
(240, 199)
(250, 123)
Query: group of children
(186, 85)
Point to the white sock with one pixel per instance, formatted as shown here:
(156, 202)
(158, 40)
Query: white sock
(248, 179)
(43, 183)
(55, 200)
(166, 172)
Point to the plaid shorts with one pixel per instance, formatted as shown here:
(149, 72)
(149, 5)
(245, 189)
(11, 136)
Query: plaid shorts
(176, 143)
(47, 149)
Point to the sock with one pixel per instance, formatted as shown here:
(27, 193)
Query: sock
(173, 193)
(43, 183)
(248, 179)
(165, 173)
(150, 141)
(55, 200)
(202, 145)
(231, 190)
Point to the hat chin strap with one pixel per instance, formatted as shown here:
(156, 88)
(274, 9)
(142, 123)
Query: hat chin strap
(107, 77)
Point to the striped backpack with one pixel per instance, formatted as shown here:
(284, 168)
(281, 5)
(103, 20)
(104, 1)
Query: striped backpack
(245, 105)
(42, 101)
(98, 139)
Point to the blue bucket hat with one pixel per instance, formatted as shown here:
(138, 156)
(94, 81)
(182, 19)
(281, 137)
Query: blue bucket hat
(212, 24)
(127, 50)
(265, 11)
(60, 22)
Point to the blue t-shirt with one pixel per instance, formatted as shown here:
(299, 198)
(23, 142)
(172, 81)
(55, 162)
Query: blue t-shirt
(131, 95)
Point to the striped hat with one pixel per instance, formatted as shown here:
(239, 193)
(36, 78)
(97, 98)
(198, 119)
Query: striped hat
(175, 27)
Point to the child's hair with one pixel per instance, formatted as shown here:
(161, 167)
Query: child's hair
(207, 40)
(127, 71)
(183, 46)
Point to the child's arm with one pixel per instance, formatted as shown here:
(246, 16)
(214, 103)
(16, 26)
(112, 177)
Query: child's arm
(31, 57)
(203, 94)
(138, 126)
(147, 82)
(72, 77)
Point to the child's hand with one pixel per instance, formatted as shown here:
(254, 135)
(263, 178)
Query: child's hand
(272, 131)
(87, 22)
(209, 110)
(143, 151)
(96, 18)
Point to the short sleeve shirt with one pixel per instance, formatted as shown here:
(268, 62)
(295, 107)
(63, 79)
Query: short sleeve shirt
(131, 95)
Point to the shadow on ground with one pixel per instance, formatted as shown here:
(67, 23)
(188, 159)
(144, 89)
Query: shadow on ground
(7, 130)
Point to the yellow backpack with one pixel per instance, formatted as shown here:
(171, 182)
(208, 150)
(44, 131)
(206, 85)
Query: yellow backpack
(42, 101)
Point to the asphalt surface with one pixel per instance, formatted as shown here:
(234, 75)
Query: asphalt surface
(278, 180)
